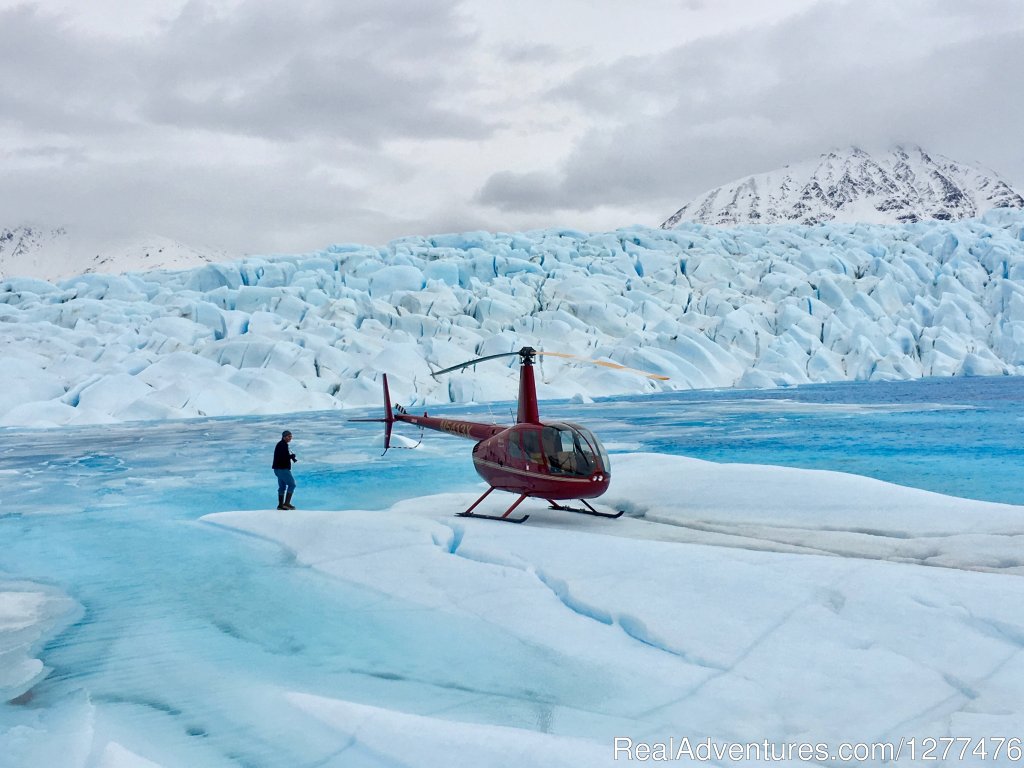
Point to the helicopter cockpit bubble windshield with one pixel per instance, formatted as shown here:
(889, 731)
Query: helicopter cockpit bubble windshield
(573, 450)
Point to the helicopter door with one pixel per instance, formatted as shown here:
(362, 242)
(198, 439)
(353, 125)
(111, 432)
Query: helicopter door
(523, 449)
(531, 448)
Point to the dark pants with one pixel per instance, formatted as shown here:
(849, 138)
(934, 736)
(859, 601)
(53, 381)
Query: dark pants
(285, 481)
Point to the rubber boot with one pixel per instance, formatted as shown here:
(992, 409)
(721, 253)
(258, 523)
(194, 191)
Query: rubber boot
(280, 501)
(288, 501)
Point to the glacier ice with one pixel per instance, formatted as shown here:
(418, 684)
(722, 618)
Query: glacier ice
(759, 306)
(733, 601)
(29, 615)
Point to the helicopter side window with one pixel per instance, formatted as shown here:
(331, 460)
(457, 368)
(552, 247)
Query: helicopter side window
(514, 451)
(552, 447)
(531, 446)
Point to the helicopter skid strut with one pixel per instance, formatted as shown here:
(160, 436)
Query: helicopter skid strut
(503, 518)
(588, 511)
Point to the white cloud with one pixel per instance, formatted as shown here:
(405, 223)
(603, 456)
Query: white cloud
(262, 125)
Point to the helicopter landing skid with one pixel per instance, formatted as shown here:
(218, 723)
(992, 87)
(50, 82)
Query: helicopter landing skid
(501, 518)
(588, 511)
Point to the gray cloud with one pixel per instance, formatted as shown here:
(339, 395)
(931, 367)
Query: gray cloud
(214, 202)
(362, 71)
(867, 73)
(532, 192)
(356, 71)
(53, 80)
(257, 129)
(286, 126)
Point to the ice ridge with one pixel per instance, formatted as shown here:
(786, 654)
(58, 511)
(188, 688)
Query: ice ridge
(754, 306)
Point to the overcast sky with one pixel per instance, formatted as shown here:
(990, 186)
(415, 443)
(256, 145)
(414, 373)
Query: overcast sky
(283, 126)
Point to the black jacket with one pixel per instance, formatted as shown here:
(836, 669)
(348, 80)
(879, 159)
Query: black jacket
(282, 456)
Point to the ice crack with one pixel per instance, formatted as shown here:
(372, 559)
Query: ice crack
(632, 626)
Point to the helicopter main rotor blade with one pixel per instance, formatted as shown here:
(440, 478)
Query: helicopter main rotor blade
(606, 364)
(528, 352)
(459, 367)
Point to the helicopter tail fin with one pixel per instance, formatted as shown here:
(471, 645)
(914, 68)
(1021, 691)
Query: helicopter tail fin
(389, 417)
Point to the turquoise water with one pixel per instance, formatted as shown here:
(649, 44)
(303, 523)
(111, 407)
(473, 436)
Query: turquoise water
(959, 436)
(187, 626)
(190, 631)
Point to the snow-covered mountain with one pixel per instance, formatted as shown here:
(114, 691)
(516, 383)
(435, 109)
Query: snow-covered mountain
(708, 307)
(54, 254)
(904, 185)
(148, 253)
(35, 252)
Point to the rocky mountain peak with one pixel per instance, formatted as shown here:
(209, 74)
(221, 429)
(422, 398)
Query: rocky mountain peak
(906, 184)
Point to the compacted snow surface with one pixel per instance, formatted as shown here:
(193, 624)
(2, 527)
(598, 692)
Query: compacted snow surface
(155, 610)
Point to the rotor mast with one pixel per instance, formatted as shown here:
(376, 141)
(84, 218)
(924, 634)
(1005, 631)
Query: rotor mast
(529, 413)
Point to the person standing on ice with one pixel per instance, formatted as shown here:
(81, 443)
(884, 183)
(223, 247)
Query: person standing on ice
(283, 459)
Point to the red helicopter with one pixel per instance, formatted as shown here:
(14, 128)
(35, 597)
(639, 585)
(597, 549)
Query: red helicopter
(555, 461)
